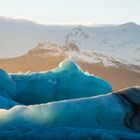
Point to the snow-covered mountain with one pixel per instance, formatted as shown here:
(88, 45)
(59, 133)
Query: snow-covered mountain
(18, 36)
(120, 41)
(44, 49)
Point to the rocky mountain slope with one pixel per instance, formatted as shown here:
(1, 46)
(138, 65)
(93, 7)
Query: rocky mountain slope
(17, 37)
(48, 55)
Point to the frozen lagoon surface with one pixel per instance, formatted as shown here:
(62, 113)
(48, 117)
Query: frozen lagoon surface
(66, 103)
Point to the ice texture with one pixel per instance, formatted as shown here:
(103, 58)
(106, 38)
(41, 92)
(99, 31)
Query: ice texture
(99, 117)
(68, 81)
(66, 103)
(93, 112)
(7, 85)
(6, 103)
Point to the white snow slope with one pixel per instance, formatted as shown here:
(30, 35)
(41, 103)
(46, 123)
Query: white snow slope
(17, 37)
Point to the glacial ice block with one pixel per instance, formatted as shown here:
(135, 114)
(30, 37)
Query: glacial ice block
(68, 81)
(6, 103)
(7, 85)
(111, 111)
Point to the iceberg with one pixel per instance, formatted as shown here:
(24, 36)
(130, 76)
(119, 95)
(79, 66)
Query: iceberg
(66, 103)
(107, 116)
(68, 81)
(7, 85)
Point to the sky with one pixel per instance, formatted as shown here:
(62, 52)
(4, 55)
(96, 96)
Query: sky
(73, 11)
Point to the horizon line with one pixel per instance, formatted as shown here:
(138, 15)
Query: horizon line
(74, 23)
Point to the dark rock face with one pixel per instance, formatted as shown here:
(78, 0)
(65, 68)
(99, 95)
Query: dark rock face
(131, 100)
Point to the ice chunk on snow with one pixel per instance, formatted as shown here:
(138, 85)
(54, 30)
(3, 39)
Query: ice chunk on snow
(67, 81)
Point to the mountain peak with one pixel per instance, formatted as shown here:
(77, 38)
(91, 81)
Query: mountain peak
(130, 25)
